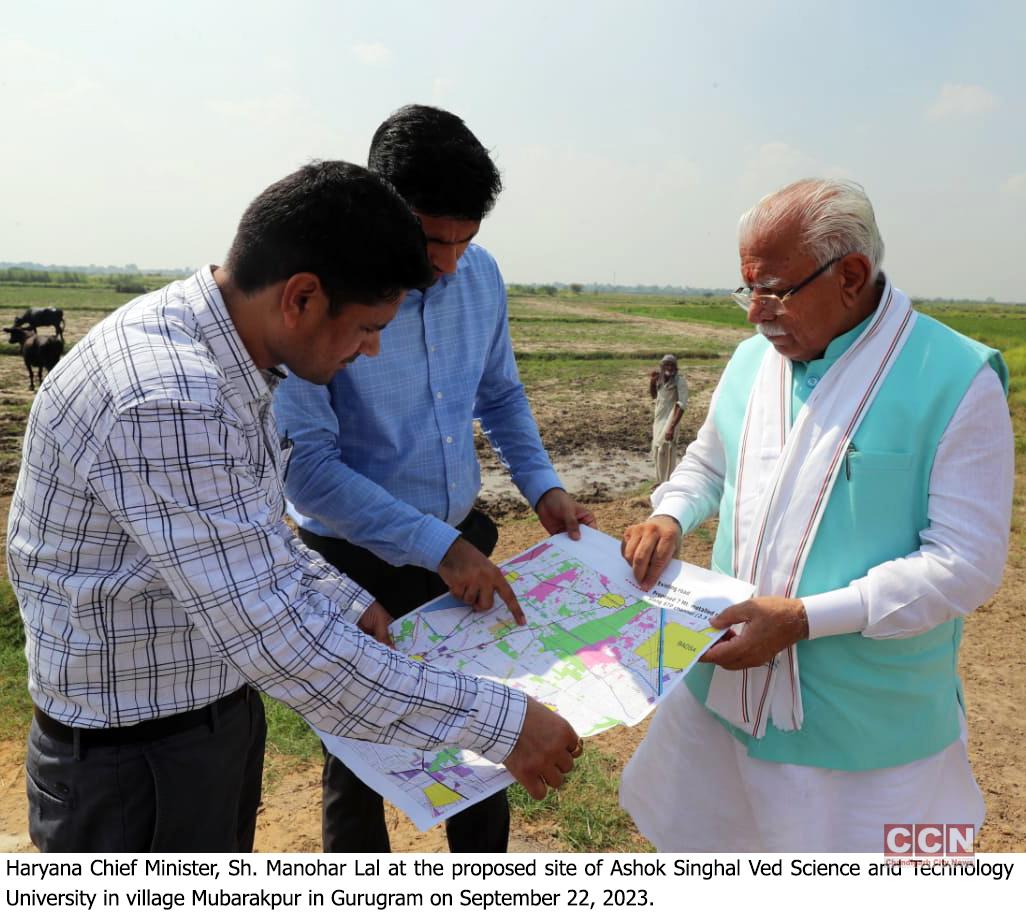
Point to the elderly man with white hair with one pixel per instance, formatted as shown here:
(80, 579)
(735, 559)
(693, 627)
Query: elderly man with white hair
(860, 458)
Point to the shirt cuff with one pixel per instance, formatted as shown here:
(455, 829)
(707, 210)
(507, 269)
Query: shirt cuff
(837, 612)
(537, 484)
(434, 539)
(680, 509)
(494, 721)
(358, 606)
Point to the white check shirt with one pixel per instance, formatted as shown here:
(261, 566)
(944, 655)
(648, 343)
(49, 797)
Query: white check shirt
(155, 573)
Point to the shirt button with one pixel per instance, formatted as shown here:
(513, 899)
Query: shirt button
(448, 439)
(438, 394)
(433, 348)
(452, 485)
(813, 381)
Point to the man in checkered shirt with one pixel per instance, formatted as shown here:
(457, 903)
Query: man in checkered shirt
(158, 582)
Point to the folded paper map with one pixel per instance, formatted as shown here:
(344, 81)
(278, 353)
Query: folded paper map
(596, 648)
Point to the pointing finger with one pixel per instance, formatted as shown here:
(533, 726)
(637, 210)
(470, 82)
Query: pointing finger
(510, 598)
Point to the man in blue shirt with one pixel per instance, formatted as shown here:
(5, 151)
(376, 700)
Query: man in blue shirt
(383, 475)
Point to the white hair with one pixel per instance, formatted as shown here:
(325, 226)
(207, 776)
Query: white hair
(834, 218)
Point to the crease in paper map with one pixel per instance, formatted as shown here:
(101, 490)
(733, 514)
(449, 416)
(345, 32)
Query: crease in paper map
(590, 650)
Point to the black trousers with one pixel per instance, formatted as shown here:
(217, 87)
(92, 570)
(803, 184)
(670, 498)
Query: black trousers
(353, 815)
(193, 791)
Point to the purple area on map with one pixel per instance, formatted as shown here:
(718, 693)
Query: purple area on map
(530, 554)
(462, 770)
(547, 588)
(408, 775)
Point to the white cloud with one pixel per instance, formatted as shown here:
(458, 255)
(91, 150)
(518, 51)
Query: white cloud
(1015, 186)
(373, 53)
(959, 100)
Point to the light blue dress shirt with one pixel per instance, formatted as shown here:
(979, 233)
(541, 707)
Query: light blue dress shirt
(383, 456)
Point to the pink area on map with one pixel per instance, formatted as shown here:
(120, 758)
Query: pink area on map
(599, 654)
(546, 588)
(530, 554)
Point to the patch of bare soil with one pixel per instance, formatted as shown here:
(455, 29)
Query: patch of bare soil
(13, 804)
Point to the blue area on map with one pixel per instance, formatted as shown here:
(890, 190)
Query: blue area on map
(447, 602)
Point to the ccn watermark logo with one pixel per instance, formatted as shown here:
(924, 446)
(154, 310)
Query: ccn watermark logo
(929, 840)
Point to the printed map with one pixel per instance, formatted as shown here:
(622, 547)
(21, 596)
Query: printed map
(596, 649)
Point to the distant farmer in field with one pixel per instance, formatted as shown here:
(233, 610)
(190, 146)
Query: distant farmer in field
(860, 458)
(384, 474)
(669, 392)
(158, 581)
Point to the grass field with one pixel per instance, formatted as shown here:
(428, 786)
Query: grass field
(70, 298)
(591, 345)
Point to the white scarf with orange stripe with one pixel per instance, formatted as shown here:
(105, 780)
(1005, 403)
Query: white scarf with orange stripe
(785, 474)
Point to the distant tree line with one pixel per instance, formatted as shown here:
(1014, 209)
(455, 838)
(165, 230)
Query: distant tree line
(96, 270)
(130, 279)
(22, 275)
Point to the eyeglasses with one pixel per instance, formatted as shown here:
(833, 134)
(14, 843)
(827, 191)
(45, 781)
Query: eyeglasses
(746, 296)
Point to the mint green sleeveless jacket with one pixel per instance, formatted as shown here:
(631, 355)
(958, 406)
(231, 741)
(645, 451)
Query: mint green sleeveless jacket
(868, 703)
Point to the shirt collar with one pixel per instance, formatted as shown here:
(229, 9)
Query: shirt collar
(219, 333)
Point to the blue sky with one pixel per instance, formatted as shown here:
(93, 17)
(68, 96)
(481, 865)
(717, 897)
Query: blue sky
(630, 136)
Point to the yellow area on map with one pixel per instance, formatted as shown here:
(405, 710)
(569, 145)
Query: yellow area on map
(440, 795)
(418, 657)
(680, 646)
(512, 576)
(611, 600)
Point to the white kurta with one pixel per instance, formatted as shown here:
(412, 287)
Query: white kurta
(691, 785)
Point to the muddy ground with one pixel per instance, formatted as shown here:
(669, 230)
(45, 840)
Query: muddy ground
(599, 441)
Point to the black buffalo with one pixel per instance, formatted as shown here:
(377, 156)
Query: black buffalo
(42, 317)
(39, 352)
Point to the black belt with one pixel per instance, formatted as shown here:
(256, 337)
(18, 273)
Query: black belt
(148, 730)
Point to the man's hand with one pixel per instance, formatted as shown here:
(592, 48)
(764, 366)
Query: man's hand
(472, 578)
(544, 752)
(559, 513)
(771, 625)
(649, 546)
(375, 621)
